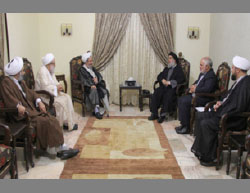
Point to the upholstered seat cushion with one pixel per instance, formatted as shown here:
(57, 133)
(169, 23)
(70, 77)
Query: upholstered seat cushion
(5, 154)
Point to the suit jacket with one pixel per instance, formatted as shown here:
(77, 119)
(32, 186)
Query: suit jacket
(207, 85)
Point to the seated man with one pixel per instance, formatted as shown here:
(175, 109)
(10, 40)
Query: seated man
(94, 86)
(46, 80)
(206, 83)
(207, 123)
(165, 94)
(16, 94)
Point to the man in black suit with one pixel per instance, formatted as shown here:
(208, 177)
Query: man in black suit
(165, 94)
(206, 83)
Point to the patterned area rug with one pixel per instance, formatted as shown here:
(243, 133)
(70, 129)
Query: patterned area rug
(122, 148)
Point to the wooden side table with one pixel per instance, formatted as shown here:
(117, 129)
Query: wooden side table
(126, 87)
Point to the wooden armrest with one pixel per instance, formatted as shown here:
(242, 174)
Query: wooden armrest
(51, 97)
(187, 91)
(8, 110)
(61, 77)
(179, 88)
(212, 95)
(7, 134)
(247, 143)
(155, 83)
(209, 105)
(226, 116)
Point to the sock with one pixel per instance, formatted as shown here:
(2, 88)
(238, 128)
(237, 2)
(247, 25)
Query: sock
(96, 108)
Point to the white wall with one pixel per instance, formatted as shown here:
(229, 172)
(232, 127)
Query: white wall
(193, 50)
(24, 36)
(34, 35)
(65, 47)
(229, 36)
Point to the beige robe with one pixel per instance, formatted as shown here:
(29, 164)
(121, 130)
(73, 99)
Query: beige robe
(48, 131)
(63, 102)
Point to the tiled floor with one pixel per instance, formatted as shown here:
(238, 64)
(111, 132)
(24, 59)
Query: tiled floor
(46, 168)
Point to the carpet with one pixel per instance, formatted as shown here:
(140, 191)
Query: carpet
(122, 148)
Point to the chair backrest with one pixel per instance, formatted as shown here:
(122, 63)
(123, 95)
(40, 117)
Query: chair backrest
(28, 75)
(1, 78)
(223, 77)
(185, 67)
(75, 65)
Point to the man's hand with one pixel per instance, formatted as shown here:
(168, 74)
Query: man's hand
(42, 107)
(59, 87)
(192, 89)
(95, 80)
(93, 87)
(217, 105)
(21, 109)
(165, 82)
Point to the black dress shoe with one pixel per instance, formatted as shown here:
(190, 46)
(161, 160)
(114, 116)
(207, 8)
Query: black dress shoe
(161, 119)
(65, 127)
(68, 154)
(184, 130)
(75, 127)
(60, 153)
(98, 115)
(152, 117)
(178, 128)
(208, 164)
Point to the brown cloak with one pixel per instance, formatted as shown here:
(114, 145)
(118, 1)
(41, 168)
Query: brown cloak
(49, 133)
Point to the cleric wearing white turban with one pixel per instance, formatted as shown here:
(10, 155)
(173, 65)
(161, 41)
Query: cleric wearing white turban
(48, 58)
(46, 80)
(14, 66)
(86, 56)
(241, 63)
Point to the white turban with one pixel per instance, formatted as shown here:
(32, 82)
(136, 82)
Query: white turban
(86, 56)
(14, 66)
(48, 58)
(241, 63)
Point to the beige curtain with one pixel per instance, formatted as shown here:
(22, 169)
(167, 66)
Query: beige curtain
(2, 29)
(135, 58)
(109, 31)
(159, 30)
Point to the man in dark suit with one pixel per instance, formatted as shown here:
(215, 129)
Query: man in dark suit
(206, 83)
(235, 101)
(165, 94)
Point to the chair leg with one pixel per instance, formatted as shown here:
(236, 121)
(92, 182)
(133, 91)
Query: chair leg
(12, 164)
(15, 158)
(238, 163)
(31, 152)
(192, 121)
(83, 110)
(26, 154)
(229, 156)
(219, 151)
